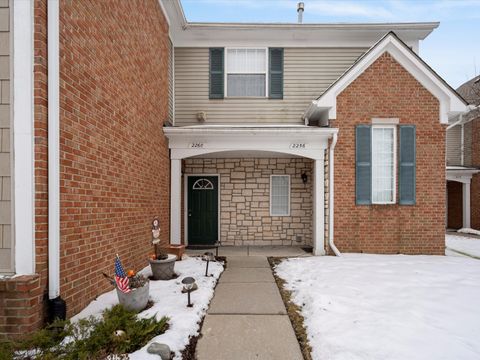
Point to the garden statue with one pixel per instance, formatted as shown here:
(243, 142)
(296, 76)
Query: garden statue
(161, 263)
(155, 231)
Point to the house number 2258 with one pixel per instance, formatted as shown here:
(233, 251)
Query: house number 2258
(196, 145)
(297, 146)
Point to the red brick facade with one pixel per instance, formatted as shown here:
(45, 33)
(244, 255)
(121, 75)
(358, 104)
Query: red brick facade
(114, 166)
(114, 157)
(387, 90)
(455, 204)
(475, 185)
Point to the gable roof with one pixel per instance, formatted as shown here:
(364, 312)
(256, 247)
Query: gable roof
(451, 103)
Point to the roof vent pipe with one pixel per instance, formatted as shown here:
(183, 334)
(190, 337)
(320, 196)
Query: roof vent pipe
(300, 8)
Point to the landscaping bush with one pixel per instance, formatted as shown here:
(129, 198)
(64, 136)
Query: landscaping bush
(89, 338)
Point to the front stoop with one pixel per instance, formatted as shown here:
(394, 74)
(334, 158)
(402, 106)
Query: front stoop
(247, 318)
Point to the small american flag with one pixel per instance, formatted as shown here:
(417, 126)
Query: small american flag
(120, 277)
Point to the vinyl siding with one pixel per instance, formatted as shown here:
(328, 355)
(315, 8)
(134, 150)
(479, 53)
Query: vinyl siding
(170, 83)
(6, 244)
(307, 73)
(454, 144)
(468, 143)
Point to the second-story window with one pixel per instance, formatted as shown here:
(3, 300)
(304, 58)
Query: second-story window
(246, 72)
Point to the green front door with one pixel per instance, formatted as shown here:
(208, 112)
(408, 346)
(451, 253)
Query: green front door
(202, 210)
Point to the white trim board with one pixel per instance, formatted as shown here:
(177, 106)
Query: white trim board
(185, 205)
(23, 220)
(304, 141)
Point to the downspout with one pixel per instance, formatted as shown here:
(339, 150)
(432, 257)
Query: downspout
(57, 307)
(331, 197)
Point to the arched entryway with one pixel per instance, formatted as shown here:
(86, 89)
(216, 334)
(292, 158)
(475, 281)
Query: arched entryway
(270, 183)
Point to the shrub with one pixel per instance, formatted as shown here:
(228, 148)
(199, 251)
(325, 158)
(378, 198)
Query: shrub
(89, 338)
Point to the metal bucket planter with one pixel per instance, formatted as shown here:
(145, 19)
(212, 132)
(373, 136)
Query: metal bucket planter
(163, 269)
(136, 300)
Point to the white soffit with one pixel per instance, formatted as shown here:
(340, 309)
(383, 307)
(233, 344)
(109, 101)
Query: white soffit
(451, 104)
(194, 34)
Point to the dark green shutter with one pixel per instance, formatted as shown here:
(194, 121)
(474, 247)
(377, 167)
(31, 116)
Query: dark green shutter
(275, 73)
(216, 73)
(407, 166)
(363, 160)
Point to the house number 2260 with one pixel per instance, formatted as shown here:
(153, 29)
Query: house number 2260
(297, 146)
(196, 145)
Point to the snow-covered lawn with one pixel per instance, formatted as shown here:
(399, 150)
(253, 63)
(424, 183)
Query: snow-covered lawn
(463, 244)
(387, 307)
(169, 301)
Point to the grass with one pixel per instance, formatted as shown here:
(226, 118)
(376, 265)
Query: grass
(293, 311)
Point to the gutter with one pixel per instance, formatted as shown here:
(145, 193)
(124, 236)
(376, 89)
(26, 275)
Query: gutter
(331, 197)
(57, 308)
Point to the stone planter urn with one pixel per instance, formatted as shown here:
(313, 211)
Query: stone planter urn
(136, 300)
(163, 269)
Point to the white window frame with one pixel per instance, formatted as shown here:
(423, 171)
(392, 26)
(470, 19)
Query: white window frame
(225, 80)
(394, 198)
(289, 194)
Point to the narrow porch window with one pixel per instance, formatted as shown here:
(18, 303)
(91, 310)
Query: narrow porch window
(280, 195)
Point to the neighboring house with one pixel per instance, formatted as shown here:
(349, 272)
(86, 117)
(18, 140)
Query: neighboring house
(322, 135)
(463, 162)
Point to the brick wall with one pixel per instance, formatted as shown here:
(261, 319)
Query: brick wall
(475, 185)
(245, 199)
(114, 157)
(20, 301)
(387, 90)
(455, 206)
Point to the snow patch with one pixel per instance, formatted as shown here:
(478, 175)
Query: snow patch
(169, 301)
(466, 245)
(387, 307)
(469, 231)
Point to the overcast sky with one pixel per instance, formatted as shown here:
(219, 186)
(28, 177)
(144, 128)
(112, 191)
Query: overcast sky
(453, 49)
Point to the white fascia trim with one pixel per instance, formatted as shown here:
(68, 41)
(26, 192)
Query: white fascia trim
(164, 12)
(23, 138)
(450, 103)
(309, 142)
(461, 175)
(53, 149)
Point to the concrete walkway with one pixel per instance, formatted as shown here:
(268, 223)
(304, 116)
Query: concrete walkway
(247, 318)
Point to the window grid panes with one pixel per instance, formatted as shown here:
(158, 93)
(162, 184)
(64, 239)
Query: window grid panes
(280, 195)
(246, 72)
(383, 165)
